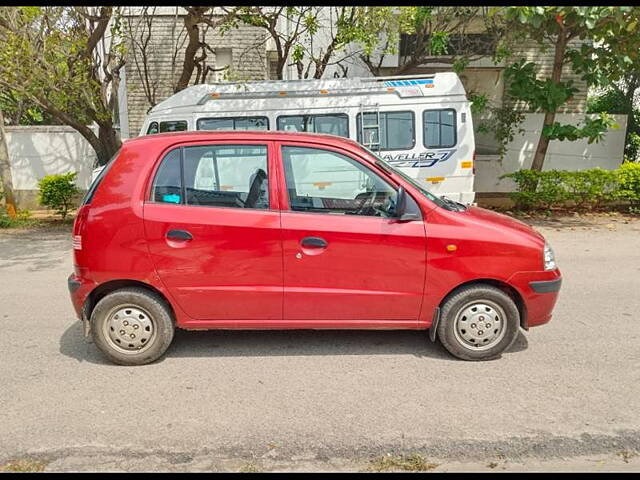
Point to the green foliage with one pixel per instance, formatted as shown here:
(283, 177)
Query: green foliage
(23, 218)
(611, 101)
(629, 181)
(503, 121)
(617, 101)
(58, 192)
(544, 95)
(585, 189)
(593, 129)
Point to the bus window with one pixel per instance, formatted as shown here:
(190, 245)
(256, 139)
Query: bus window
(439, 128)
(397, 130)
(332, 123)
(171, 126)
(233, 123)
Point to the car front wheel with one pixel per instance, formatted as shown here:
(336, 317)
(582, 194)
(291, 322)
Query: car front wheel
(478, 322)
(132, 326)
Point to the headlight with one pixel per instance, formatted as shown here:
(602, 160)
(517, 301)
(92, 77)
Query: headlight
(549, 258)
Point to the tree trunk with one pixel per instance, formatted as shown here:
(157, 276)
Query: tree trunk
(550, 117)
(5, 172)
(189, 63)
(110, 142)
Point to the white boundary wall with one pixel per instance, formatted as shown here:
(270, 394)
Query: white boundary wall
(561, 155)
(36, 151)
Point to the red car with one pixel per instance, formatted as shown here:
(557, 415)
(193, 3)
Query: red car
(276, 230)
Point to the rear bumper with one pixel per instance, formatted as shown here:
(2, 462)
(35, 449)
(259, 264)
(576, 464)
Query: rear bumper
(540, 291)
(79, 290)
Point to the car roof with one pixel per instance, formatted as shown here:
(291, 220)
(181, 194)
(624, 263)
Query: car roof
(172, 137)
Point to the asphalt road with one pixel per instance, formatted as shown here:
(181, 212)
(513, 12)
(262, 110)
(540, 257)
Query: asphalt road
(322, 399)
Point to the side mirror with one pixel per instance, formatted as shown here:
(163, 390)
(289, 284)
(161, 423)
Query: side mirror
(401, 208)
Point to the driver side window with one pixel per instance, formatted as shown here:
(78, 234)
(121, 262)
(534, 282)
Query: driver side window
(323, 181)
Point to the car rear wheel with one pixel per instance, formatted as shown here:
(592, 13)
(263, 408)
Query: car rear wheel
(478, 322)
(132, 326)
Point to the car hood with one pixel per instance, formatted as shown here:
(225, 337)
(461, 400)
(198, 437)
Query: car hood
(499, 220)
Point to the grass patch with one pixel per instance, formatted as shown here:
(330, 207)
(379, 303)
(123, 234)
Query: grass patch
(626, 455)
(248, 468)
(24, 465)
(410, 463)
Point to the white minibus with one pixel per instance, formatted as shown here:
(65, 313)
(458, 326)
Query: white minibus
(419, 123)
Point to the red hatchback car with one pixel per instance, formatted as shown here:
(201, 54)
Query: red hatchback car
(275, 230)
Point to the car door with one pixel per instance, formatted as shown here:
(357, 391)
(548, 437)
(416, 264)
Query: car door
(213, 230)
(345, 258)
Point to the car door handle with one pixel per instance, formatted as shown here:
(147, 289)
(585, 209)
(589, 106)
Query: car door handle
(314, 242)
(179, 235)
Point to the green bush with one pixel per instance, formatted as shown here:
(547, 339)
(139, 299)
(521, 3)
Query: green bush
(585, 189)
(58, 192)
(629, 183)
(591, 188)
(538, 190)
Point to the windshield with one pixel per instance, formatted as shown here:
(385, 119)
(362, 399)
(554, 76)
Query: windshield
(434, 198)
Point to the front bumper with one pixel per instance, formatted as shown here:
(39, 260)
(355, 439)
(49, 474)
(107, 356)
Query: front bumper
(546, 286)
(540, 291)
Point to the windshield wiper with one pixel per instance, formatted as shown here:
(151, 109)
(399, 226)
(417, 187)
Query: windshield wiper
(457, 206)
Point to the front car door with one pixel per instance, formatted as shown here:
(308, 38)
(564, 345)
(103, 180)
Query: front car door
(213, 230)
(345, 258)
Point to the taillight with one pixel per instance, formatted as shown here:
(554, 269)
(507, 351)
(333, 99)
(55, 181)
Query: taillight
(77, 242)
(474, 163)
(78, 226)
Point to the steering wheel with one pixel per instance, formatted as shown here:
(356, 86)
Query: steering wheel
(367, 203)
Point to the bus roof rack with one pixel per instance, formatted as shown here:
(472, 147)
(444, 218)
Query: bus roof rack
(400, 85)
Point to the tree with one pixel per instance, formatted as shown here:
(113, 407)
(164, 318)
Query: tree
(429, 35)
(67, 61)
(608, 35)
(286, 26)
(190, 48)
(619, 98)
(338, 34)
(5, 173)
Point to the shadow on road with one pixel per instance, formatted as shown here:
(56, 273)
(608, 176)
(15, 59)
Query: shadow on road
(265, 343)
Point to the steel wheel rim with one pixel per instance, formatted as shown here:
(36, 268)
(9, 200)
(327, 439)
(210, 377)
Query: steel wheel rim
(480, 325)
(129, 329)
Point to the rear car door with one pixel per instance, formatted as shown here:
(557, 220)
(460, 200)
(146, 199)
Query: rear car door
(345, 257)
(213, 230)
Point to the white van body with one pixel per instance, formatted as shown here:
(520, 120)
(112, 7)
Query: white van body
(421, 124)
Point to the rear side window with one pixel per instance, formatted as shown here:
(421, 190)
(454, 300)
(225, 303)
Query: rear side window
(214, 176)
(394, 132)
(439, 128)
(172, 126)
(98, 180)
(234, 123)
(334, 124)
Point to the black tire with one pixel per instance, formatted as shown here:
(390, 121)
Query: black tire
(455, 305)
(159, 314)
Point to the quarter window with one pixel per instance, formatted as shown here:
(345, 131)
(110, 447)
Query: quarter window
(329, 182)
(439, 128)
(234, 123)
(334, 124)
(395, 131)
